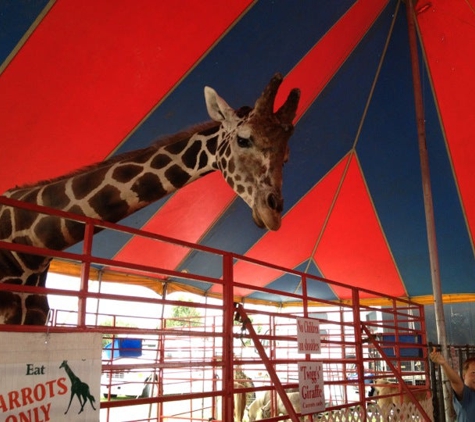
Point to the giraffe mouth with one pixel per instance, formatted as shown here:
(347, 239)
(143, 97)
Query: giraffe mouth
(267, 214)
(270, 221)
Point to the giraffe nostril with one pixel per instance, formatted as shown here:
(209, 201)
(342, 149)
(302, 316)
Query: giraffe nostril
(276, 204)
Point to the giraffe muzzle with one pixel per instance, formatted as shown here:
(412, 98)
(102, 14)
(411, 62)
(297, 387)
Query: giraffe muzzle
(267, 213)
(275, 202)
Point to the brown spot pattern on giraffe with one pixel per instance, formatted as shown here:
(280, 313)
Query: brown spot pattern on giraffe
(49, 230)
(6, 223)
(108, 204)
(148, 188)
(23, 219)
(84, 184)
(160, 161)
(54, 196)
(125, 173)
(177, 147)
(190, 156)
(12, 311)
(177, 176)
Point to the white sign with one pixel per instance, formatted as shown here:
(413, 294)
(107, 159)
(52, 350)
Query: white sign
(308, 335)
(50, 377)
(312, 396)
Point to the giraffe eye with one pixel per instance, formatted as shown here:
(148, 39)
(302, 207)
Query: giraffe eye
(243, 142)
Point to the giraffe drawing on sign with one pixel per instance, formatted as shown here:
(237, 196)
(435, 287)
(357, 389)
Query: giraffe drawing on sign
(249, 146)
(78, 388)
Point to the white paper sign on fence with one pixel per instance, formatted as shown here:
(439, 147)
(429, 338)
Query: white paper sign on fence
(308, 335)
(312, 396)
(50, 377)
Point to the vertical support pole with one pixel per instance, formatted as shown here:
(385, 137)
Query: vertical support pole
(397, 350)
(359, 351)
(161, 351)
(305, 296)
(343, 350)
(85, 269)
(428, 204)
(305, 314)
(228, 339)
(98, 301)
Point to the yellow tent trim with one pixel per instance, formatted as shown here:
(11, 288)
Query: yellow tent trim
(73, 269)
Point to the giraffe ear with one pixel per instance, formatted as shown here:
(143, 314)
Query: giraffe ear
(218, 109)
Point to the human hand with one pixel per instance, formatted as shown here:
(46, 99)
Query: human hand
(436, 356)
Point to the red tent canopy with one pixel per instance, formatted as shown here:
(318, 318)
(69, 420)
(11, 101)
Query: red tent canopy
(80, 82)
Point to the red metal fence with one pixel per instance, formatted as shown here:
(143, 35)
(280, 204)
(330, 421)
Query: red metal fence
(195, 367)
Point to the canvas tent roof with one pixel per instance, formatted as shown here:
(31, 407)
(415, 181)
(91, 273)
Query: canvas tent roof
(81, 81)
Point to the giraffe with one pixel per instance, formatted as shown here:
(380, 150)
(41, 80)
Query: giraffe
(242, 400)
(248, 146)
(78, 388)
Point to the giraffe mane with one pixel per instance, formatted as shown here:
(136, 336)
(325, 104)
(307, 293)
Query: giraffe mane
(160, 142)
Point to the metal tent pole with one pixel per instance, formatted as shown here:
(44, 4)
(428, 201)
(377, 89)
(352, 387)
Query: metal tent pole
(428, 203)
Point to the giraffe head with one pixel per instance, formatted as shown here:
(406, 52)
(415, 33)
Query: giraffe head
(253, 148)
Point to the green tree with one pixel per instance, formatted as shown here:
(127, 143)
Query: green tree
(184, 316)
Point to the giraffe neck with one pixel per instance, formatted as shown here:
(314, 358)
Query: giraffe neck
(115, 188)
(110, 191)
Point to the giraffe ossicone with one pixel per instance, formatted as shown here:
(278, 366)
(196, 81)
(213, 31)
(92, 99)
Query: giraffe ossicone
(249, 146)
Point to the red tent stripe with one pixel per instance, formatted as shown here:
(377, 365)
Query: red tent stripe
(91, 81)
(321, 63)
(353, 235)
